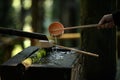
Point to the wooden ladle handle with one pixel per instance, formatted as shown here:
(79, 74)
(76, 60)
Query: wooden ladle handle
(82, 26)
(79, 51)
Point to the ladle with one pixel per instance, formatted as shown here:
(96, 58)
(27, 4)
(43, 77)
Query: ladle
(57, 29)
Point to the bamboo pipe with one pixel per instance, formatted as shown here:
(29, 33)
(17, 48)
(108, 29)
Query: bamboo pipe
(21, 33)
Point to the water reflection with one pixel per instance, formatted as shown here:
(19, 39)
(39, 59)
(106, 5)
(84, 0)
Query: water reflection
(57, 57)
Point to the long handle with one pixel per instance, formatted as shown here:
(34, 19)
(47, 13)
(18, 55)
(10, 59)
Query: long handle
(79, 51)
(23, 33)
(51, 44)
(82, 26)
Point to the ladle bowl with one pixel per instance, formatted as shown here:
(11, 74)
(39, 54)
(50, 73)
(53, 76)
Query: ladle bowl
(56, 29)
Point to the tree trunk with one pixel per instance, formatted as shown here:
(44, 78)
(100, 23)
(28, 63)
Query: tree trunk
(37, 17)
(118, 35)
(99, 41)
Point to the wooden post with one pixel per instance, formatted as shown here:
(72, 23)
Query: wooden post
(100, 41)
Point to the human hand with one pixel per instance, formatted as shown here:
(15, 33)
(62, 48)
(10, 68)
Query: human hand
(106, 21)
